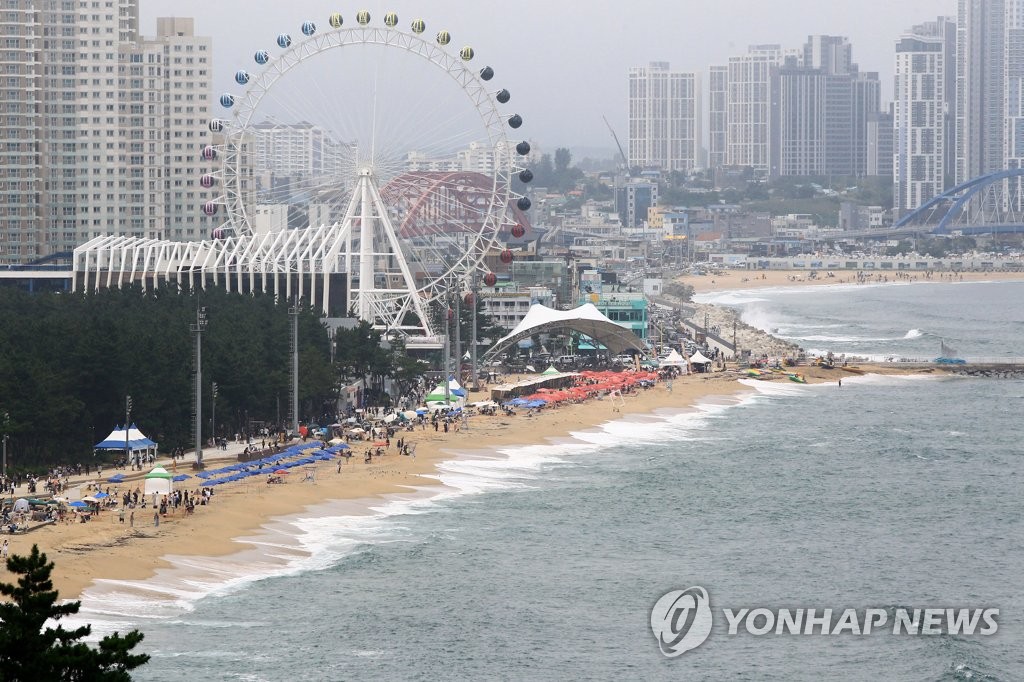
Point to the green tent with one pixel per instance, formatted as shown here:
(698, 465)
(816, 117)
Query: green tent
(550, 371)
(158, 472)
(437, 395)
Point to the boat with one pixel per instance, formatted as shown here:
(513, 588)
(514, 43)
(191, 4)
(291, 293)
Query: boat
(852, 369)
(798, 378)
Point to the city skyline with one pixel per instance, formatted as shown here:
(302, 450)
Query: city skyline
(555, 59)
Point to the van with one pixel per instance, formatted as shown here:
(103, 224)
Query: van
(567, 359)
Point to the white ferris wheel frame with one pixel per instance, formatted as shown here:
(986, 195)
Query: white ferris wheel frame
(234, 177)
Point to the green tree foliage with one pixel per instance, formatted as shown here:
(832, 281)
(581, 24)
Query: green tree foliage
(67, 361)
(31, 651)
(558, 175)
(563, 157)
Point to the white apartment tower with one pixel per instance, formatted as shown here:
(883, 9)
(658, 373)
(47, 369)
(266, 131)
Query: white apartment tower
(83, 120)
(297, 149)
(749, 103)
(664, 118)
(718, 112)
(919, 121)
(185, 91)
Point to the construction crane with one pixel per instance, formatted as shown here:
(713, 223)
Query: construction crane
(625, 159)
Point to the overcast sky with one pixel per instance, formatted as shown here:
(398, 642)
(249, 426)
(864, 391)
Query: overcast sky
(566, 61)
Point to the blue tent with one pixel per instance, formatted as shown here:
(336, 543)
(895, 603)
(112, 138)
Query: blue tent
(119, 439)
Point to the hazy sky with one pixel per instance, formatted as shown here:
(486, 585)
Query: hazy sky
(566, 62)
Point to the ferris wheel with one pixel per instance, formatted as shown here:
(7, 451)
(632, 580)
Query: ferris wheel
(392, 135)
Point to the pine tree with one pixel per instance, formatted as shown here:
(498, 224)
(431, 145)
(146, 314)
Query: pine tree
(31, 651)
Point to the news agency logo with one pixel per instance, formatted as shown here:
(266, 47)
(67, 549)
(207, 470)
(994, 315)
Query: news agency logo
(681, 621)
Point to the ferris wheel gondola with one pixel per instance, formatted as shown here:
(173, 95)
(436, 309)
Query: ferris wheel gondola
(415, 166)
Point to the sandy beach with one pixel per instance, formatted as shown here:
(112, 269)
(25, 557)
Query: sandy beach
(105, 548)
(744, 279)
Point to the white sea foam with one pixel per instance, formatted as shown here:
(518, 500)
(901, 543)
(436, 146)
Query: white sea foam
(325, 533)
(914, 334)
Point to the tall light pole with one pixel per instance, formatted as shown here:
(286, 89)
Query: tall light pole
(458, 333)
(197, 330)
(447, 338)
(475, 289)
(293, 311)
(127, 421)
(213, 412)
(7, 423)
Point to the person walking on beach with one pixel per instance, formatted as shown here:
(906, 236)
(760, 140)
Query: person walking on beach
(131, 519)
(156, 519)
(840, 383)
(4, 550)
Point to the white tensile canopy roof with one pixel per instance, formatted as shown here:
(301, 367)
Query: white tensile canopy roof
(698, 358)
(586, 319)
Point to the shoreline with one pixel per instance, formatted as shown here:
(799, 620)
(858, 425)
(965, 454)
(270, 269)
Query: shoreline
(89, 557)
(733, 280)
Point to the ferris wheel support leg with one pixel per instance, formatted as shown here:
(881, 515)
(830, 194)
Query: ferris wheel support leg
(403, 265)
(366, 250)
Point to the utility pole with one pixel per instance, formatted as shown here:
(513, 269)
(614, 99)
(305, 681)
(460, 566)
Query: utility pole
(447, 337)
(475, 289)
(197, 330)
(127, 421)
(7, 423)
(213, 412)
(735, 348)
(293, 311)
(458, 332)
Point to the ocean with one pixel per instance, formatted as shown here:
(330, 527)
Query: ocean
(544, 562)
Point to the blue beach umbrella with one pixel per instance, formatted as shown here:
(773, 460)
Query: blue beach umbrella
(78, 504)
(100, 496)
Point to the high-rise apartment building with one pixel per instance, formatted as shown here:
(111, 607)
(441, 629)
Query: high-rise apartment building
(919, 121)
(664, 118)
(749, 104)
(1013, 79)
(297, 149)
(718, 113)
(865, 102)
(185, 91)
(820, 109)
(980, 92)
(798, 142)
(89, 118)
(880, 143)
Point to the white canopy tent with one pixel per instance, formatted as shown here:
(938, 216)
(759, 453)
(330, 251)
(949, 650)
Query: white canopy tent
(674, 359)
(158, 481)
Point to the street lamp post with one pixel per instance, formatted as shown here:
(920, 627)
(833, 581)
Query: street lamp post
(472, 358)
(127, 421)
(7, 421)
(213, 413)
(197, 329)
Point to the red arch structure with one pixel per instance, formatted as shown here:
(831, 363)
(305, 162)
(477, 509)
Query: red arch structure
(445, 202)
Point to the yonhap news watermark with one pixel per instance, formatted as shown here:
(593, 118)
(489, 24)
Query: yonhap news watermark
(682, 620)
